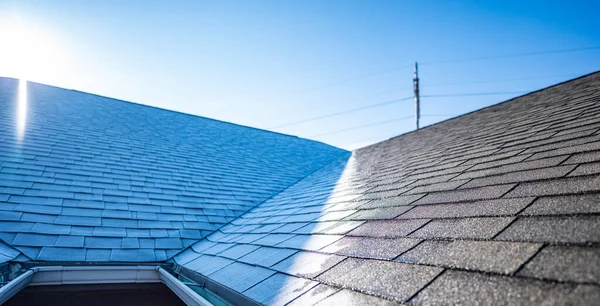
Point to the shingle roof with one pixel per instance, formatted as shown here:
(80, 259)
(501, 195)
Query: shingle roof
(7, 253)
(499, 206)
(98, 179)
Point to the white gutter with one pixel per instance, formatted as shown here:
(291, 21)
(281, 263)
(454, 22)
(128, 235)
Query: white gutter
(15, 286)
(181, 290)
(59, 275)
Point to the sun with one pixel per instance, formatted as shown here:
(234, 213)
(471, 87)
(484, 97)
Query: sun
(28, 51)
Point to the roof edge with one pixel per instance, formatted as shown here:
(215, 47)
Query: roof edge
(88, 275)
(484, 108)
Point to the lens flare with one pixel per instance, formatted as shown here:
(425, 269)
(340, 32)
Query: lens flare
(22, 109)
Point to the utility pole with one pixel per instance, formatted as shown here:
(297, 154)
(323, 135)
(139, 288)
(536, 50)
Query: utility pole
(416, 90)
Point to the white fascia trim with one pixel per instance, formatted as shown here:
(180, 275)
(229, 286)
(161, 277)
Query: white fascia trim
(44, 276)
(59, 275)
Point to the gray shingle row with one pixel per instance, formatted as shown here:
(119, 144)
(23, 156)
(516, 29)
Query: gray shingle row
(458, 287)
(471, 212)
(499, 206)
(109, 173)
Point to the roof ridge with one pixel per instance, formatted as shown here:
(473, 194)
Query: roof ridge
(178, 112)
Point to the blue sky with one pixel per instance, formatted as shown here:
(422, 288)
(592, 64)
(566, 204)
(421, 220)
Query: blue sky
(268, 63)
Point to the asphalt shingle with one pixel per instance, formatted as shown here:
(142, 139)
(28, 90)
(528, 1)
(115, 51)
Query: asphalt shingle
(69, 241)
(567, 147)
(279, 289)
(480, 228)
(309, 242)
(457, 287)
(272, 239)
(487, 256)
(442, 186)
(266, 256)
(393, 280)
(349, 297)
(307, 264)
(206, 264)
(240, 277)
(23, 239)
(577, 229)
(557, 187)
(575, 204)
(132, 255)
(586, 157)
(481, 193)
(564, 263)
(520, 176)
(376, 248)
(392, 202)
(379, 213)
(57, 254)
(314, 295)
(586, 169)
(388, 229)
(514, 167)
(238, 251)
(335, 228)
(499, 207)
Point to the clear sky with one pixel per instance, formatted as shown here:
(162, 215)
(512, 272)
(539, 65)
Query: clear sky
(268, 63)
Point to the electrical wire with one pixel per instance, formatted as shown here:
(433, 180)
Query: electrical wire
(475, 94)
(409, 117)
(349, 80)
(381, 72)
(342, 112)
(380, 123)
(498, 80)
(392, 102)
(361, 126)
(377, 139)
(428, 116)
(509, 56)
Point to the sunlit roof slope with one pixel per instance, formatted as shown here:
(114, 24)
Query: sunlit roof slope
(500, 206)
(89, 178)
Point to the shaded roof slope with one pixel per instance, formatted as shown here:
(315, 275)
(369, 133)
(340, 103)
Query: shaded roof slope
(499, 206)
(98, 179)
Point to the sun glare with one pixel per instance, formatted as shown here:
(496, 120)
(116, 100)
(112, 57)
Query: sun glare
(28, 51)
(21, 109)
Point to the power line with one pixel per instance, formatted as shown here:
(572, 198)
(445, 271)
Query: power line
(362, 126)
(381, 72)
(499, 80)
(476, 94)
(341, 113)
(409, 117)
(378, 123)
(509, 56)
(438, 115)
(392, 102)
(349, 80)
(393, 135)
